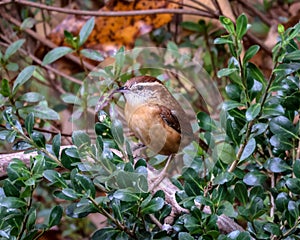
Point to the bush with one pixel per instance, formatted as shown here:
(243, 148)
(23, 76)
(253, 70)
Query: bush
(252, 175)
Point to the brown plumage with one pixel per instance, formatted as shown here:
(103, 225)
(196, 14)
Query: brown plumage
(155, 116)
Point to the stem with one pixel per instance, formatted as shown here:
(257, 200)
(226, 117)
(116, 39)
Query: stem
(110, 217)
(112, 13)
(23, 226)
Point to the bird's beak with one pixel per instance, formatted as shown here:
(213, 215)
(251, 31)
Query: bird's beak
(122, 89)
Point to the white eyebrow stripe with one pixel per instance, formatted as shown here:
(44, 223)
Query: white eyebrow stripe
(148, 83)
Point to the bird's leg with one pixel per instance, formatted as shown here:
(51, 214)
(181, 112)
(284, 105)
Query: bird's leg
(162, 174)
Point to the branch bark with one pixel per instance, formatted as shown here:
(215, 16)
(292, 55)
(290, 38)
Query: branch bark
(225, 224)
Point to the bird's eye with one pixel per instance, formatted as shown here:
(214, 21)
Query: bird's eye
(140, 87)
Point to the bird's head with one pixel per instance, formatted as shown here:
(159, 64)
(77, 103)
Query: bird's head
(142, 89)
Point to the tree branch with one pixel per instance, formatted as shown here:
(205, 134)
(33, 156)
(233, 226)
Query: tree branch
(112, 13)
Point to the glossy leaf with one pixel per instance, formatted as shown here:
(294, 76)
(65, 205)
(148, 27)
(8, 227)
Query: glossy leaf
(39, 139)
(276, 165)
(5, 88)
(250, 53)
(226, 72)
(23, 77)
(31, 97)
(13, 48)
(253, 111)
(283, 126)
(254, 178)
(56, 142)
(126, 195)
(225, 153)
(153, 206)
(92, 54)
(29, 123)
(55, 216)
(241, 26)
(55, 178)
(86, 30)
(227, 24)
(241, 192)
(249, 149)
(296, 168)
(55, 54)
(293, 184)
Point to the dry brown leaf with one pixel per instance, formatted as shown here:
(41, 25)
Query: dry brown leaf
(110, 33)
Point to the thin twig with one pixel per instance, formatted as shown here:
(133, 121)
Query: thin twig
(256, 12)
(45, 41)
(38, 61)
(212, 11)
(113, 13)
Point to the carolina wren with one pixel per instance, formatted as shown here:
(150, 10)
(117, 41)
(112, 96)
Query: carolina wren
(155, 116)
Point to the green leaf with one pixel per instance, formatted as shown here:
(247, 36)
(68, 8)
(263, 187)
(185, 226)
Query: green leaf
(241, 26)
(255, 178)
(71, 194)
(126, 195)
(293, 209)
(10, 189)
(293, 184)
(224, 152)
(13, 67)
(5, 88)
(40, 111)
(282, 126)
(256, 73)
(105, 233)
(226, 72)
(223, 40)
(23, 77)
(84, 185)
(296, 168)
(13, 48)
(206, 122)
(281, 142)
(55, 216)
(276, 165)
(153, 206)
(241, 193)
(31, 97)
(185, 236)
(258, 129)
(56, 142)
(29, 123)
(250, 53)
(117, 132)
(28, 23)
(233, 91)
(71, 98)
(55, 54)
(39, 139)
(249, 149)
(293, 56)
(81, 140)
(12, 202)
(272, 228)
(55, 178)
(70, 156)
(86, 30)
(31, 219)
(192, 26)
(222, 178)
(92, 54)
(227, 24)
(281, 201)
(38, 165)
(253, 111)
(228, 105)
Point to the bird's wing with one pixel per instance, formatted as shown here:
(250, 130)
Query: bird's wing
(169, 117)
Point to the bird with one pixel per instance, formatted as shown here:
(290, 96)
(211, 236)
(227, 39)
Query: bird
(155, 116)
